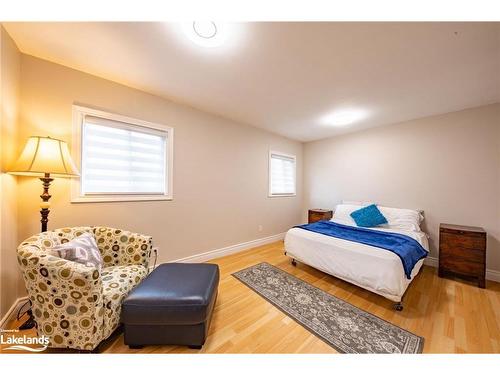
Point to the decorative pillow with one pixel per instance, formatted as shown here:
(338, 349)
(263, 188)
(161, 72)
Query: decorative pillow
(369, 216)
(82, 249)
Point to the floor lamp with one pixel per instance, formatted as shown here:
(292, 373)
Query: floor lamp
(46, 158)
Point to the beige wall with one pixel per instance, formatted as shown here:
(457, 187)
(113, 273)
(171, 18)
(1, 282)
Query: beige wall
(447, 165)
(10, 282)
(220, 167)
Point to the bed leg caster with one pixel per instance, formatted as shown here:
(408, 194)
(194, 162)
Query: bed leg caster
(398, 306)
(294, 263)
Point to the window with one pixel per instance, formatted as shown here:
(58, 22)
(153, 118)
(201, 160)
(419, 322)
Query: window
(120, 159)
(281, 174)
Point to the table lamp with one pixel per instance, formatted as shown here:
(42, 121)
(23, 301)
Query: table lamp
(45, 157)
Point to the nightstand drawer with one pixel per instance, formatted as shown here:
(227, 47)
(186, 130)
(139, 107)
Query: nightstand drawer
(319, 214)
(474, 242)
(461, 266)
(316, 217)
(450, 250)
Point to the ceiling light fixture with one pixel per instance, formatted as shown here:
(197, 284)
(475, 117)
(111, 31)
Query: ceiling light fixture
(205, 33)
(205, 30)
(344, 117)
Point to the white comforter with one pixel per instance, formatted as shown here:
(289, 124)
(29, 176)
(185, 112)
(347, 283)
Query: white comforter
(372, 268)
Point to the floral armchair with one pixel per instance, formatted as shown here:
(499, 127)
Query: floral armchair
(77, 306)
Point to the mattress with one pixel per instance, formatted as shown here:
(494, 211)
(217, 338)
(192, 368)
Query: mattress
(372, 268)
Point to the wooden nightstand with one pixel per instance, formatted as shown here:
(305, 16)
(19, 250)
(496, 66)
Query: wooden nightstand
(462, 252)
(317, 214)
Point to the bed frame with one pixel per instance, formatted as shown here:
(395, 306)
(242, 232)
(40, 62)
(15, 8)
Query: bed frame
(398, 306)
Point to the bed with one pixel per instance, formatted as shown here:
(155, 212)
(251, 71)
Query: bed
(377, 270)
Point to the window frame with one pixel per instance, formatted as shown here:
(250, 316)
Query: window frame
(294, 157)
(78, 113)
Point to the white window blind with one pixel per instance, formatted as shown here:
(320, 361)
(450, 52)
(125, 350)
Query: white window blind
(281, 174)
(122, 158)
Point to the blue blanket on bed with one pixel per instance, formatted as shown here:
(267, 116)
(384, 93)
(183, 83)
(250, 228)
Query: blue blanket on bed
(406, 248)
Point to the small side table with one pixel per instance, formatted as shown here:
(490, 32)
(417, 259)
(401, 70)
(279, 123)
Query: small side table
(462, 252)
(317, 214)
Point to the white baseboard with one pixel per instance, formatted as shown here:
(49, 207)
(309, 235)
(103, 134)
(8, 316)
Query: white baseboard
(217, 253)
(490, 274)
(493, 275)
(431, 261)
(11, 314)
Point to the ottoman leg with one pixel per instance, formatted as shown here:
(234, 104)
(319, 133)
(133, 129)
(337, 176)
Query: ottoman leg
(195, 346)
(136, 346)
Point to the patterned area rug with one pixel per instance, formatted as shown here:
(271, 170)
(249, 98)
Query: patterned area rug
(345, 327)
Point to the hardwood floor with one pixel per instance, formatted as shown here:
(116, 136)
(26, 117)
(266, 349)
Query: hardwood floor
(453, 316)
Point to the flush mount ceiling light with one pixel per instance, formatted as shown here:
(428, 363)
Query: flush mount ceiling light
(205, 33)
(206, 30)
(344, 117)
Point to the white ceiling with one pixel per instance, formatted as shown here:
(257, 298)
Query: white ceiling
(285, 76)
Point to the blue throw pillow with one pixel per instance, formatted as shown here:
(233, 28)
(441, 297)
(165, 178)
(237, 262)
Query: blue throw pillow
(369, 216)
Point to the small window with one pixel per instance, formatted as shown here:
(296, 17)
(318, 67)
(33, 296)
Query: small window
(121, 159)
(282, 179)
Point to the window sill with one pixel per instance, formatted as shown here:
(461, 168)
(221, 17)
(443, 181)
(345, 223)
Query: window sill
(122, 198)
(281, 195)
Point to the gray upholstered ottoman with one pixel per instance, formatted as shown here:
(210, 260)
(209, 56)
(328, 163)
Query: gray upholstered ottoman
(172, 306)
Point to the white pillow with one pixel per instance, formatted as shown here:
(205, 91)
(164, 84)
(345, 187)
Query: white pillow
(397, 218)
(358, 203)
(401, 218)
(343, 213)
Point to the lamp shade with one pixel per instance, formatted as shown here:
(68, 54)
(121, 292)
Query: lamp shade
(43, 155)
